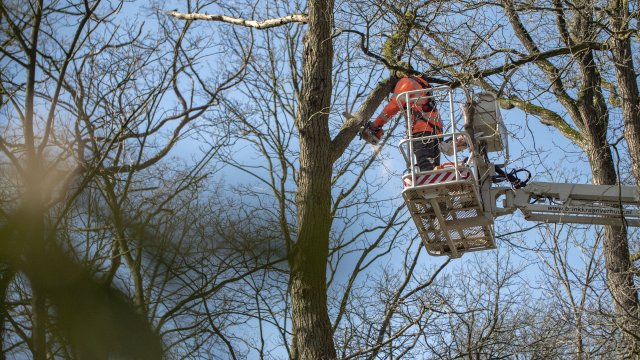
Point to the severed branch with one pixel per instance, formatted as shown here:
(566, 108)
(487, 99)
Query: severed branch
(352, 124)
(262, 24)
(468, 112)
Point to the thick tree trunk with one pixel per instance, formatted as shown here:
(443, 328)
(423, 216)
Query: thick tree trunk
(627, 83)
(33, 249)
(627, 301)
(34, 234)
(578, 338)
(39, 317)
(26, 255)
(5, 280)
(615, 245)
(617, 261)
(308, 260)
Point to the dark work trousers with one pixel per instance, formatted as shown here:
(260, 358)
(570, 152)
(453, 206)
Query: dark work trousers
(426, 151)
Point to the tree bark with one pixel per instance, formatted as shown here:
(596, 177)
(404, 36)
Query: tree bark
(627, 83)
(617, 261)
(6, 277)
(34, 232)
(594, 114)
(39, 317)
(308, 285)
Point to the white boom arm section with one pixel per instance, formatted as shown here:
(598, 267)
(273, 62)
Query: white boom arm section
(573, 203)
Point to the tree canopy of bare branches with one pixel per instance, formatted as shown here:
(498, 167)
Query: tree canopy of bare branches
(188, 183)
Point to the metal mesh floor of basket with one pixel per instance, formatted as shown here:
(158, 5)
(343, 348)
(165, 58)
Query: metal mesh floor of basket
(449, 218)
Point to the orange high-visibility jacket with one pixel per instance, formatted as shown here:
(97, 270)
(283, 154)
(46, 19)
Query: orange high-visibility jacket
(425, 115)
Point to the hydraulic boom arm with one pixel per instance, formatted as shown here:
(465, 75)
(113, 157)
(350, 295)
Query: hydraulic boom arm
(572, 203)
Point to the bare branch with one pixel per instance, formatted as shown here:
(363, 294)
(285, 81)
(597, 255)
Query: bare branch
(387, 64)
(553, 73)
(535, 58)
(262, 24)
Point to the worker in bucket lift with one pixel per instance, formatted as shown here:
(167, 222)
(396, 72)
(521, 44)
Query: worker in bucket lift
(425, 117)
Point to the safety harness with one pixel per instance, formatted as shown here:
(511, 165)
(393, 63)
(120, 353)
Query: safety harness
(427, 111)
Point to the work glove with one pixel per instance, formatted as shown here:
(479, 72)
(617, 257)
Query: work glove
(447, 145)
(371, 133)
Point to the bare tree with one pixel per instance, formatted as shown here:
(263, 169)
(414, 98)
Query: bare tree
(619, 17)
(309, 250)
(88, 97)
(590, 115)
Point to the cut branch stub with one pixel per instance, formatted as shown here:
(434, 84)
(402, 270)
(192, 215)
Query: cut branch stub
(468, 111)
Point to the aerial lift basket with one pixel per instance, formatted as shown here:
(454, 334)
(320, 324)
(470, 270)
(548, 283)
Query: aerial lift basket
(444, 203)
(454, 207)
